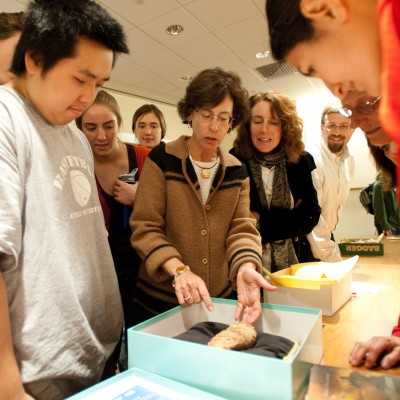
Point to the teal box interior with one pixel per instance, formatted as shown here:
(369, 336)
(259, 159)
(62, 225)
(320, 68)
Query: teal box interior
(138, 384)
(230, 374)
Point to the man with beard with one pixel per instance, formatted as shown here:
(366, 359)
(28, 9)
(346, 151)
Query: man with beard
(331, 178)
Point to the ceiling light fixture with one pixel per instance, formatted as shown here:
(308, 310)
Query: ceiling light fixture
(186, 77)
(174, 30)
(263, 54)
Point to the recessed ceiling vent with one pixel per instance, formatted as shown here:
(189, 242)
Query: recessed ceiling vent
(276, 70)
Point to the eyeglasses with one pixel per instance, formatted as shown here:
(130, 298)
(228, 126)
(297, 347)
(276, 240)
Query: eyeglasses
(385, 148)
(206, 116)
(365, 108)
(341, 128)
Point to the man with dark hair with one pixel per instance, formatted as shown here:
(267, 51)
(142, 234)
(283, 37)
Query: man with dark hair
(309, 34)
(60, 308)
(10, 31)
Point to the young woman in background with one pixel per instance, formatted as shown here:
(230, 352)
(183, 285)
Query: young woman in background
(112, 158)
(148, 124)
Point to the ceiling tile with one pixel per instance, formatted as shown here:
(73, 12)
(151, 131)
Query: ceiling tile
(13, 5)
(139, 12)
(130, 72)
(229, 62)
(157, 84)
(157, 27)
(183, 2)
(142, 45)
(127, 25)
(260, 4)
(248, 55)
(163, 62)
(249, 77)
(218, 14)
(201, 49)
(174, 76)
(243, 34)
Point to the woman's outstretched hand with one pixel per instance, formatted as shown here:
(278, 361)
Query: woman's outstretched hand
(249, 283)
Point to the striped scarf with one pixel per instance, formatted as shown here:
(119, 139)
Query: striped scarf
(282, 251)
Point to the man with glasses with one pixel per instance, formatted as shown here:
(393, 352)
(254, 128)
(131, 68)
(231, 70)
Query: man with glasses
(363, 110)
(331, 178)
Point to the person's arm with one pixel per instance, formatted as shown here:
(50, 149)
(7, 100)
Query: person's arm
(189, 287)
(319, 238)
(125, 193)
(148, 221)
(10, 379)
(321, 244)
(370, 353)
(249, 283)
(243, 245)
(12, 172)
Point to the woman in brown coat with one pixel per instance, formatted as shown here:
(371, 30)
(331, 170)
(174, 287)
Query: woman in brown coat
(192, 225)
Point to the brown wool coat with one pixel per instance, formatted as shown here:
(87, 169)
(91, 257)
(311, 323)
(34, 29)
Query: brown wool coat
(170, 220)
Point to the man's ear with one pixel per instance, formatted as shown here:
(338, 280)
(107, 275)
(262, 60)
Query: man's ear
(32, 65)
(319, 10)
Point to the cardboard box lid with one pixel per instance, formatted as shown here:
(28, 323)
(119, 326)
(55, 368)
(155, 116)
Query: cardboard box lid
(312, 275)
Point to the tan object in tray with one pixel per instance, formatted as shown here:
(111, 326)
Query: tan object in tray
(239, 336)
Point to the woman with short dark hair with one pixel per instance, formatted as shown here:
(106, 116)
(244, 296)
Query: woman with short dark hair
(191, 224)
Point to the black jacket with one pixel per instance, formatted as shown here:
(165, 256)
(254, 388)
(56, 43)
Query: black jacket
(277, 224)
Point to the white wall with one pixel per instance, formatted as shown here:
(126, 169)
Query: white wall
(354, 221)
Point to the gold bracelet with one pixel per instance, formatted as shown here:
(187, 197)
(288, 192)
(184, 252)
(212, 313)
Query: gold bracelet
(179, 271)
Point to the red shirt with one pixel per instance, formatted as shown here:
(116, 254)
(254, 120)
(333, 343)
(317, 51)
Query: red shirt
(396, 329)
(389, 110)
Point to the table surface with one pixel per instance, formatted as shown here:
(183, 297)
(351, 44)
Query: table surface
(372, 311)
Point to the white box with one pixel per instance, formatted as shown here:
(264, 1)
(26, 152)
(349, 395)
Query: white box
(226, 373)
(137, 384)
(329, 298)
